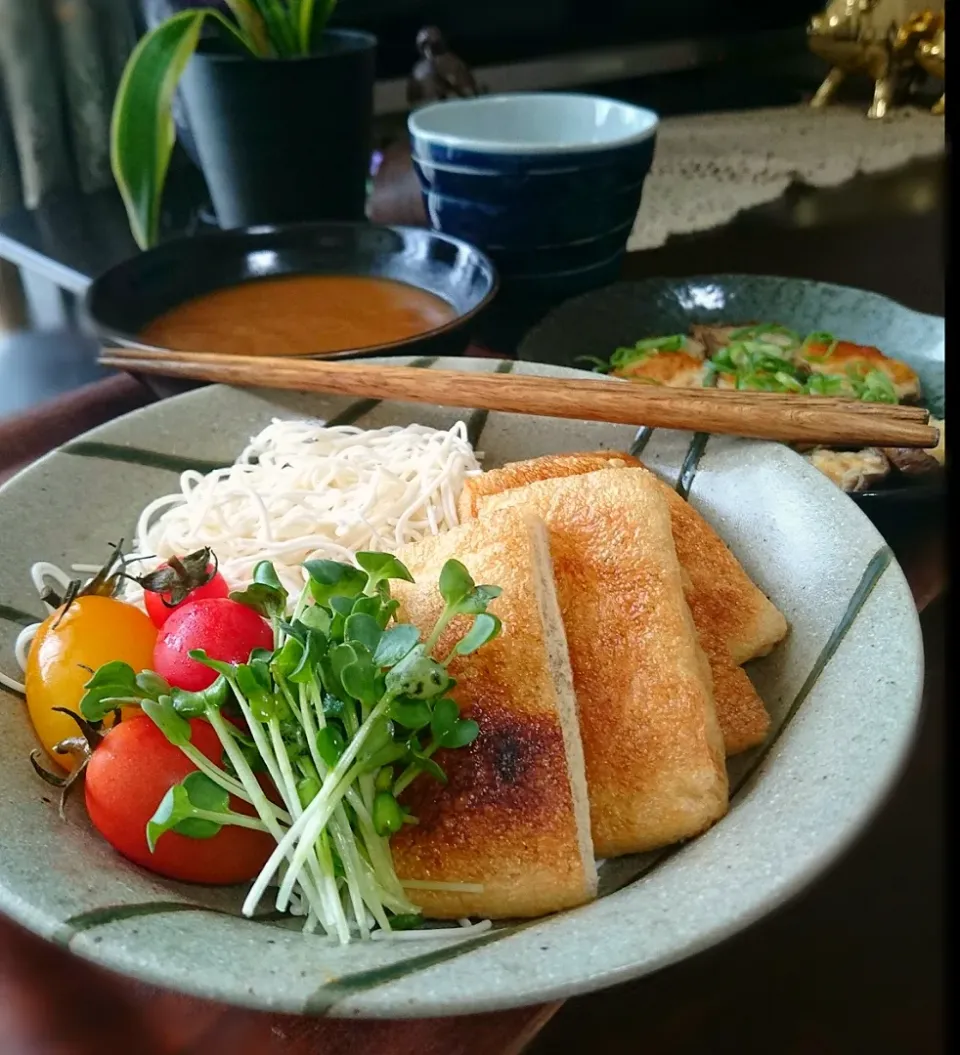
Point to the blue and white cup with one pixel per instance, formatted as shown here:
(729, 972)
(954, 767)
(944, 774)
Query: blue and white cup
(547, 184)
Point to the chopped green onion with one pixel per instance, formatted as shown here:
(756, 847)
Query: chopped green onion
(746, 333)
(642, 350)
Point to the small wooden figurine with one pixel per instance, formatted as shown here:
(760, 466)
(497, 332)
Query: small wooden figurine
(438, 74)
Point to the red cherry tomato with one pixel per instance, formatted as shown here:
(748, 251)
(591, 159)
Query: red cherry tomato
(225, 629)
(159, 607)
(127, 776)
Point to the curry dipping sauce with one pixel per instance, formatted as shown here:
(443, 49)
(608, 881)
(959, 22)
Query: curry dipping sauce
(300, 315)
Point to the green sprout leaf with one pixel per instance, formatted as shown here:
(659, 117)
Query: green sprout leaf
(265, 595)
(291, 656)
(449, 729)
(151, 685)
(330, 744)
(387, 814)
(477, 600)
(115, 685)
(464, 732)
(315, 618)
(446, 713)
(254, 682)
(367, 605)
(423, 763)
(406, 921)
(485, 628)
(164, 716)
(330, 578)
(363, 629)
(307, 790)
(228, 670)
(455, 583)
(384, 756)
(183, 810)
(395, 643)
(381, 567)
(411, 714)
(417, 676)
(379, 739)
(388, 609)
(195, 704)
(359, 678)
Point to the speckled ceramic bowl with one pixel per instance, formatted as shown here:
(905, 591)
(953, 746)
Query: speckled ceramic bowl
(597, 323)
(843, 689)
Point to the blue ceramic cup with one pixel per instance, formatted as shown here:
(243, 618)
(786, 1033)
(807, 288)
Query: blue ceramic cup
(547, 184)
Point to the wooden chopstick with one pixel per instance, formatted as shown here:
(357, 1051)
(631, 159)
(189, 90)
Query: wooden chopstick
(787, 418)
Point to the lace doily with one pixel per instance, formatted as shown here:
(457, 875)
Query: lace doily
(709, 167)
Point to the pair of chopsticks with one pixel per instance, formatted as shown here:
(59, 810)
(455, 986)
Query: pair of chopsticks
(761, 415)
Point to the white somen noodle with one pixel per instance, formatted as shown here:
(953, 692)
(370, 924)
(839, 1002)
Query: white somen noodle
(301, 491)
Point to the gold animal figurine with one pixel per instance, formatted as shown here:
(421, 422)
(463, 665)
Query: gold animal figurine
(931, 55)
(861, 36)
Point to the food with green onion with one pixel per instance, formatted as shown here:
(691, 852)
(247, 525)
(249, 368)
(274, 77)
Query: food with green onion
(769, 357)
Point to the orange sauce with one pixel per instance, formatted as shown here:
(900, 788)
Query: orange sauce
(299, 315)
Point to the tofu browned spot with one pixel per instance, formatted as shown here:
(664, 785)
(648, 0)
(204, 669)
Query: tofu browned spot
(652, 745)
(514, 816)
(851, 470)
(863, 358)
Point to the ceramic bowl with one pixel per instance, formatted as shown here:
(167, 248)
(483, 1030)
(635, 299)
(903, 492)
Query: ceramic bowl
(843, 691)
(548, 184)
(621, 314)
(120, 302)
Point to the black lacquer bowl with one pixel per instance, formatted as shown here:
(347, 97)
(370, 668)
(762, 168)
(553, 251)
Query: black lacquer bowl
(123, 300)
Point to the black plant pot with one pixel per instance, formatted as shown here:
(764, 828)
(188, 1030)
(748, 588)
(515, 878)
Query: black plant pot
(285, 140)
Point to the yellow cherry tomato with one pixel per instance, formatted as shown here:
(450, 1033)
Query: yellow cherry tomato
(94, 630)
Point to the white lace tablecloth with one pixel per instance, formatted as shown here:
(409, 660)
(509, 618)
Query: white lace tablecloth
(709, 167)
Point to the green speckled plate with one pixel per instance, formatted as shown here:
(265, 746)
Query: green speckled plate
(598, 322)
(843, 689)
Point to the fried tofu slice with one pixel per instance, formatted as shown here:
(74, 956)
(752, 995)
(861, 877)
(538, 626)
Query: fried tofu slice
(724, 599)
(653, 748)
(734, 619)
(550, 466)
(514, 816)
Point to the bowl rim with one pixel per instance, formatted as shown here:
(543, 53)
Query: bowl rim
(115, 335)
(415, 123)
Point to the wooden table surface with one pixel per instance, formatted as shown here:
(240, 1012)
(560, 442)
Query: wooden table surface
(852, 965)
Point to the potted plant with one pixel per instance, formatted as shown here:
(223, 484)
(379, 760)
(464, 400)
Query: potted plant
(280, 109)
